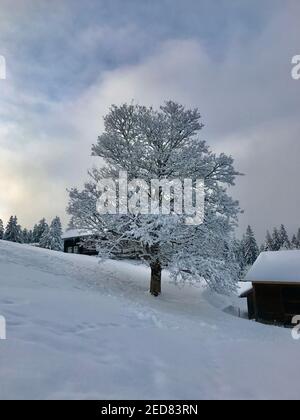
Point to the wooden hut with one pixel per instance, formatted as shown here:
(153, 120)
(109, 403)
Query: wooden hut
(275, 293)
(83, 242)
(79, 242)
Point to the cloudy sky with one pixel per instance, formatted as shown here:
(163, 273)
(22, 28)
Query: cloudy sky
(68, 60)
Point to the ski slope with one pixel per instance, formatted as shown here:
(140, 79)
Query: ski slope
(80, 330)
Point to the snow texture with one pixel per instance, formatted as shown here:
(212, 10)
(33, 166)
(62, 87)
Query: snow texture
(80, 330)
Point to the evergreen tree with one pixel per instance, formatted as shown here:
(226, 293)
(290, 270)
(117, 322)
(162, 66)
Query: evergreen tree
(239, 249)
(25, 236)
(30, 237)
(251, 250)
(52, 236)
(276, 240)
(284, 238)
(1, 229)
(45, 239)
(13, 232)
(269, 246)
(35, 234)
(298, 237)
(56, 234)
(295, 244)
(39, 230)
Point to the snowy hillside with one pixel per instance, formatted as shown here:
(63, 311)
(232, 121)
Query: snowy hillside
(76, 329)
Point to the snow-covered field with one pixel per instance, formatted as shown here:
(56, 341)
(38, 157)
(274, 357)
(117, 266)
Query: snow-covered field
(80, 330)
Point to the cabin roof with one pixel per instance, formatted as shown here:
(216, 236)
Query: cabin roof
(276, 267)
(246, 293)
(245, 289)
(76, 233)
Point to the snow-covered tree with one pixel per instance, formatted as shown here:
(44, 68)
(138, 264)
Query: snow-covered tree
(13, 231)
(269, 246)
(35, 234)
(251, 250)
(45, 239)
(1, 229)
(276, 240)
(239, 254)
(150, 144)
(294, 243)
(284, 238)
(56, 232)
(39, 230)
(298, 237)
(30, 237)
(25, 236)
(71, 224)
(52, 236)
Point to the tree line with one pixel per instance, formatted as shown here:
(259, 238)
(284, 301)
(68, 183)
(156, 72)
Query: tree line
(42, 235)
(279, 240)
(247, 249)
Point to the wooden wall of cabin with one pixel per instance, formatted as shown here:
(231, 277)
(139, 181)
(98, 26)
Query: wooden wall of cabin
(251, 308)
(277, 303)
(73, 246)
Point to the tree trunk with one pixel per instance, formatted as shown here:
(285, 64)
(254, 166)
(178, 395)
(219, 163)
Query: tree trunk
(155, 285)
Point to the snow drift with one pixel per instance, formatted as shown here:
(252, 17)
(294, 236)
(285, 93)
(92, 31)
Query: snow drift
(80, 330)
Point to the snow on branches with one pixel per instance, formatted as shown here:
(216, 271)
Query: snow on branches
(158, 144)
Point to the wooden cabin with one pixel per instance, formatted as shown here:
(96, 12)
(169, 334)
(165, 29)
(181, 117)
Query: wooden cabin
(83, 242)
(79, 242)
(275, 293)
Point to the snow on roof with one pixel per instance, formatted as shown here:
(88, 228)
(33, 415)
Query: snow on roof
(76, 233)
(244, 288)
(279, 267)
